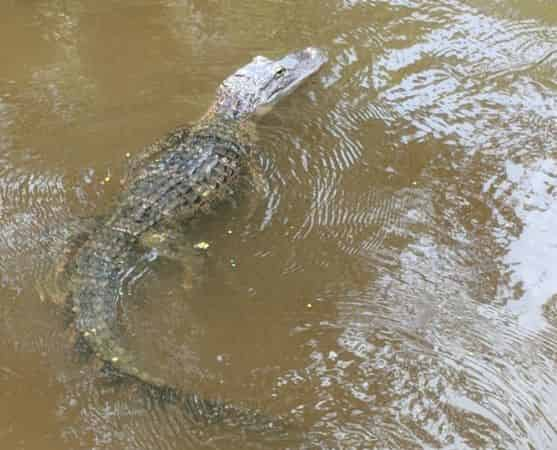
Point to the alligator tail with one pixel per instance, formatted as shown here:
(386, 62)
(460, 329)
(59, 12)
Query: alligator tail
(100, 268)
(201, 410)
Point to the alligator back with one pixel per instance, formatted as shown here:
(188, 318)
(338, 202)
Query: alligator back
(180, 183)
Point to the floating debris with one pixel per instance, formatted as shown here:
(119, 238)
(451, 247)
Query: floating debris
(229, 232)
(201, 245)
(309, 306)
(152, 239)
(128, 155)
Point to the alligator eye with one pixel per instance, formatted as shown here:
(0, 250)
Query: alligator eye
(280, 72)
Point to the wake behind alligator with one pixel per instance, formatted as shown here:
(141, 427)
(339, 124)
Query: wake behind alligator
(188, 172)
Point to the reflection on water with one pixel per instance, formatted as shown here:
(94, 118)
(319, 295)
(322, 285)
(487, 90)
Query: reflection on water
(393, 288)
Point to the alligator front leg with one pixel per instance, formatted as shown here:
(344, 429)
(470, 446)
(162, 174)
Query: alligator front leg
(256, 185)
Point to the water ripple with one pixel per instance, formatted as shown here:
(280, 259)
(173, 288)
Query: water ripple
(393, 284)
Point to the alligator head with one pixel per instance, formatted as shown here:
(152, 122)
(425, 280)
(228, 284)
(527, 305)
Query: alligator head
(257, 86)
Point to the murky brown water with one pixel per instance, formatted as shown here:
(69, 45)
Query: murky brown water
(411, 203)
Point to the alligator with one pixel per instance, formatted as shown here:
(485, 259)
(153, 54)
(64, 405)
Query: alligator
(187, 173)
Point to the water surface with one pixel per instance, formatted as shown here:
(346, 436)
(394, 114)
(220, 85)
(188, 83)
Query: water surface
(393, 288)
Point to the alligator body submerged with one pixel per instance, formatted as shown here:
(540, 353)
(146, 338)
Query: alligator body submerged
(190, 171)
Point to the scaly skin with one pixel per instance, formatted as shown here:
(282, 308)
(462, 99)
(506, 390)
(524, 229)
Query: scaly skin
(189, 172)
(181, 182)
